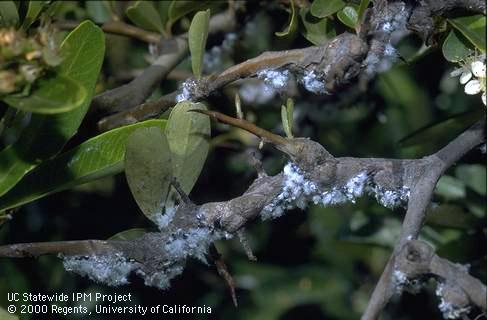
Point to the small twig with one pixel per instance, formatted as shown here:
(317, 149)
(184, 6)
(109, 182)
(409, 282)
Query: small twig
(118, 28)
(124, 29)
(245, 125)
(141, 112)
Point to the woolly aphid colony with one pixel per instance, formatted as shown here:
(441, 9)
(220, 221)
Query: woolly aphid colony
(296, 191)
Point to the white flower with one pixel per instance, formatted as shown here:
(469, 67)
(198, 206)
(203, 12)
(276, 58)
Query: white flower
(473, 87)
(478, 69)
(465, 76)
(472, 75)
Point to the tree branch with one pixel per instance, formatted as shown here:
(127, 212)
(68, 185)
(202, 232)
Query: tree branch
(433, 167)
(417, 258)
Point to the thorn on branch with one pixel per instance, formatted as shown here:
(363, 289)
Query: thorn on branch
(245, 244)
(222, 269)
(184, 197)
(257, 164)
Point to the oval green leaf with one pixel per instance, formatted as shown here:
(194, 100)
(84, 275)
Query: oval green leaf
(93, 159)
(178, 9)
(325, 8)
(198, 34)
(349, 16)
(52, 95)
(82, 51)
(8, 14)
(148, 169)
(473, 28)
(188, 135)
(456, 47)
(145, 15)
(317, 31)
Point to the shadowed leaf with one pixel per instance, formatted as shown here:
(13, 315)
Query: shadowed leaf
(325, 8)
(148, 169)
(456, 47)
(53, 95)
(145, 15)
(316, 30)
(473, 28)
(188, 135)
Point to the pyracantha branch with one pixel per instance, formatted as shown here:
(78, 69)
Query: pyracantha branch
(312, 176)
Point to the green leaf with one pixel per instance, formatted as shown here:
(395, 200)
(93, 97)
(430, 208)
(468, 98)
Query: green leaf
(349, 16)
(148, 169)
(163, 9)
(287, 117)
(431, 136)
(98, 11)
(130, 234)
(285, 122)
(292, 24)
(33, 10)
(178, 9)
(361, 10)
(317, 31)
(144, 15)
(188, 135)
(93, 159)
(474, 176)
(8, 14)
(198, 34)
(82, 52)
(325, 8)
(52, 95)
(450, 188)
(4, 315)
(456, 47)
(473, 28)
(451, 216)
